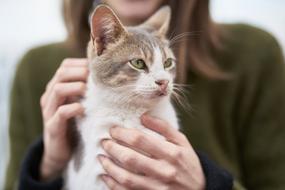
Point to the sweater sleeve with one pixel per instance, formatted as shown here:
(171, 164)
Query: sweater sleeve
(29, 174)
(216, 177)
(262, 120)
(25, 116)
(17, 123)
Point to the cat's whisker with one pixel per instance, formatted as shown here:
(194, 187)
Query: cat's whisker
(183, 89)
(181, 101)
(177, 42)
(146, 90)
(185, 34)
(145, 93)
(172, 35)
(180, 96)
(127, 99)
(175, 39)
(181, 93)
(123, 87)
(179, 84)
(138, 87)
(133, 94)
(132, 98)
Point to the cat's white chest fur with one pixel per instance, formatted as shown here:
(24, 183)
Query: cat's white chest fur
(94, 127)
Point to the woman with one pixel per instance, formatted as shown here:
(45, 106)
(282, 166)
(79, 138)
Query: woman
(238, 99)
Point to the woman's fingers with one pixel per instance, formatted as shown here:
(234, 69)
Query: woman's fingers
(59, 94)
(68, 82)
(65, 65)
(163, 128)
(68, 63)
(74, 62)
(61, 116)
(138, 163)
(69, 74)
(57, 151)
(124, 177)
(151, 145)
(111, 183)
(71, 70)
(68, 111)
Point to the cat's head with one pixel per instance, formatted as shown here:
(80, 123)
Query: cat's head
(135, 62)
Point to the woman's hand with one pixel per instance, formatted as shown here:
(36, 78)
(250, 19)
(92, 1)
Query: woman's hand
(140, 161)
(68, 82)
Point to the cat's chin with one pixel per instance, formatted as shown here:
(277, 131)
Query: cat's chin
(155, 96)
(149, 101)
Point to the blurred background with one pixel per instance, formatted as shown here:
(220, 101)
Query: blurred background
(29, 23)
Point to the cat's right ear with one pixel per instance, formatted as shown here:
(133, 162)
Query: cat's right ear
(106, 28)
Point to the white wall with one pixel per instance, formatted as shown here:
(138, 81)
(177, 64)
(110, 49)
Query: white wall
(23, 24)
(28, 23)
(266, 14)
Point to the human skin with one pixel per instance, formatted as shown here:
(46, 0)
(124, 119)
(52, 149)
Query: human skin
(68, 81)
(148, 162)
(176, 168)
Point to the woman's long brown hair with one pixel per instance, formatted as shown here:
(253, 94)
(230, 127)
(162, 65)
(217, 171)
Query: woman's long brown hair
(191, 18)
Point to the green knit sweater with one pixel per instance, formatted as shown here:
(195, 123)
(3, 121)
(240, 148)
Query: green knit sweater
(239, 123)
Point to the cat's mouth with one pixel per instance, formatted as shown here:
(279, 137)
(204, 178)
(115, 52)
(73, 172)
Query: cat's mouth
(161, 93)
(157, 94)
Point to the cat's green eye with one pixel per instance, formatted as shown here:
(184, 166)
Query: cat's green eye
(138, 64)
(168, 63)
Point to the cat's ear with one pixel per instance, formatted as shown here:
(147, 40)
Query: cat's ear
(160, 21)
(106, 28)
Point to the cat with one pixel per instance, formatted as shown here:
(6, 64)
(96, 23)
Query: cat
(132, 71)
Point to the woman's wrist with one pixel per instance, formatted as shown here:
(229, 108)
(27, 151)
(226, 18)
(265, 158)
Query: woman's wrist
(215, 176)
(50, 169)
(30, 174)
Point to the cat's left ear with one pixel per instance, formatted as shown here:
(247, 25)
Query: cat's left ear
(106, 28)
(159, 21)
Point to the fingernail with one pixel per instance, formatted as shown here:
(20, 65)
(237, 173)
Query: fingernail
(113, 128)
(145, 113)
(104, 177)
(103, 141)
(100, 157)
(144, 117)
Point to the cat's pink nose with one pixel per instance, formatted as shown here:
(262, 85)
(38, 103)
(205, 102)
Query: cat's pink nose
(162, 84)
